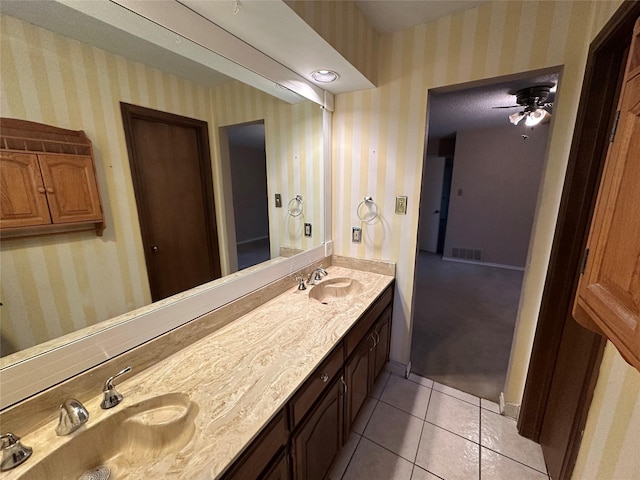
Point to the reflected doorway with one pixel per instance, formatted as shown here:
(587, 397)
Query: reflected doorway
(247, 162)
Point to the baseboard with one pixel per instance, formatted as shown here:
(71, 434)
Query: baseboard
(485, 264)
(511, 410)
(251, 240)
(398, 368)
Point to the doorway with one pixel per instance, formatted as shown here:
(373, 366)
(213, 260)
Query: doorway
(173, 185)
(479, 194)
(245, 159)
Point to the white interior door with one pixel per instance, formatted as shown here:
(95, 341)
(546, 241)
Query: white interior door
(432, 178)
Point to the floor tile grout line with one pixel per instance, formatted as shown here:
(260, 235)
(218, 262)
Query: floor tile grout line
(480, 441)
(454, 433)
(515, 460)
(408, 413)
(351, 457)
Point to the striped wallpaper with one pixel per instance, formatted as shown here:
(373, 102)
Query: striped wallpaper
(609, 449)
(55, 284)
(345, 27)
(378, 135)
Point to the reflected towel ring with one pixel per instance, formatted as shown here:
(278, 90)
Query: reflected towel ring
(372, 210)
(295, 206)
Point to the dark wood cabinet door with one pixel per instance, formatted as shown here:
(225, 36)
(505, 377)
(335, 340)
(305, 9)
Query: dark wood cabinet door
(280, 469)
(382, 332)
(319, 439)
(357, 377)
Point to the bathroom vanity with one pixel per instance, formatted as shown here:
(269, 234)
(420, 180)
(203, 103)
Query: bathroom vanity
(273, 394)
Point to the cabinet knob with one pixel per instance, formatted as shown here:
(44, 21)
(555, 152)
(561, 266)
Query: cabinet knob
(324, 377)
(49, 190)
(41, 190)
(154, 248)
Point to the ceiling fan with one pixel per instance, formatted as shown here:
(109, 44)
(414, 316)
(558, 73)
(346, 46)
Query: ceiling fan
(536, 108)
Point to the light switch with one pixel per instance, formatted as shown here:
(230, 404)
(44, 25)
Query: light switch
(307, 229)
(278, 200)
(401, 205)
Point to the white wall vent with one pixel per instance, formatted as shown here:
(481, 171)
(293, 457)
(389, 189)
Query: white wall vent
(466, 253)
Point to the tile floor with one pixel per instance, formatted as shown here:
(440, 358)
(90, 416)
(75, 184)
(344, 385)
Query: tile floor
(415, 429)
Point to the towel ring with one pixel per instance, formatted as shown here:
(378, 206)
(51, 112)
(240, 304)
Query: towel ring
(295, 206)
(371, 210)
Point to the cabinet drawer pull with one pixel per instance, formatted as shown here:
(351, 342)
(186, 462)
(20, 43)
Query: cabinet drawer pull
(377, 335)
(374, 341)
(324, 377)
(344, 384)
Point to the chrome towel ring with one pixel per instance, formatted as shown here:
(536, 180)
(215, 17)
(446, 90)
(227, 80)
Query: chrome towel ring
(295, 206)
(367, 210)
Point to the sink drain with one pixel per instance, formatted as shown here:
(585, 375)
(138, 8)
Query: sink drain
(99, 473)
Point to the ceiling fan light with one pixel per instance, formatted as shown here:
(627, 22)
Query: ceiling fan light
(535, 117)
(516, 117)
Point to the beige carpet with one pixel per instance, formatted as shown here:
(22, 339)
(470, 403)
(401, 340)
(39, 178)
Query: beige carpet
(463, 324)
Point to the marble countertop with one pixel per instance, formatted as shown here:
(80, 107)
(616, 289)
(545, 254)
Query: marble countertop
(240, 377)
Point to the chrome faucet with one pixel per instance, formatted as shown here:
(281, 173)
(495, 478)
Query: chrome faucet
(110, 396)
(72, 416)
(13, 452)
(300, 279)
(316, 275)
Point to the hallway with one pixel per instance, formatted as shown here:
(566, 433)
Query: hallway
(463, 324)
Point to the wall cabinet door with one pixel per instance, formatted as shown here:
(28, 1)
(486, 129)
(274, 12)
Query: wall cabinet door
(71, 187)
(23, 199)
(608, 296)
(319, 439)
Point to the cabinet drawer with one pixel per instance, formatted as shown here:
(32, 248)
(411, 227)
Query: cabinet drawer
(315, 385)
(360, 329)
(261, 451)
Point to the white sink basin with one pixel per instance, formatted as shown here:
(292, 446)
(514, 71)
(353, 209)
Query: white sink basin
(335, 290)
(133, 436)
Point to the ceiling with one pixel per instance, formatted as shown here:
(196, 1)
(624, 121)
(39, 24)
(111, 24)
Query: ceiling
(470, 106)
(393, 15)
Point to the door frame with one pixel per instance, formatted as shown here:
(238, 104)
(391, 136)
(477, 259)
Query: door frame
(595, 118)
(131, 112)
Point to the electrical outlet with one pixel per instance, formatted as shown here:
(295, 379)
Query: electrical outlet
(307, 229)
(278, 200)
(356, 235)
(401, 205)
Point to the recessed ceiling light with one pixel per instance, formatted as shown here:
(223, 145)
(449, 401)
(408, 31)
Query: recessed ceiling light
(324, 76)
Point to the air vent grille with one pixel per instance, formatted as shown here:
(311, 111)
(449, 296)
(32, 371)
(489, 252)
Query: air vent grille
(466, 253)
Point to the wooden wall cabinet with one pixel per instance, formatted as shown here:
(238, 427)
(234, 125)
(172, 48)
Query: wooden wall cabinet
(47, 180)
(608, 295)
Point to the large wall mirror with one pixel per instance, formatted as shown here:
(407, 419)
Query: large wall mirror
(63, 68)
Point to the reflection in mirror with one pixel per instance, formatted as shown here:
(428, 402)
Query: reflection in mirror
(57, 284)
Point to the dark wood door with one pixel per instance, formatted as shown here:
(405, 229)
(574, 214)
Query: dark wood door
(565, 358)
(383, 336)
(317, 443)
(171, 170)
(279, 470)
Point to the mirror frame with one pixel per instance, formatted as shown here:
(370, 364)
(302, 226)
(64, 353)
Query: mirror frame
(30, 375)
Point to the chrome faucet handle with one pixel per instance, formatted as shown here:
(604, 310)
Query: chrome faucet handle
(111, 397)
(13, 452)
(72, 416)
(320, 272)
(317, 274)
(301, 285)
